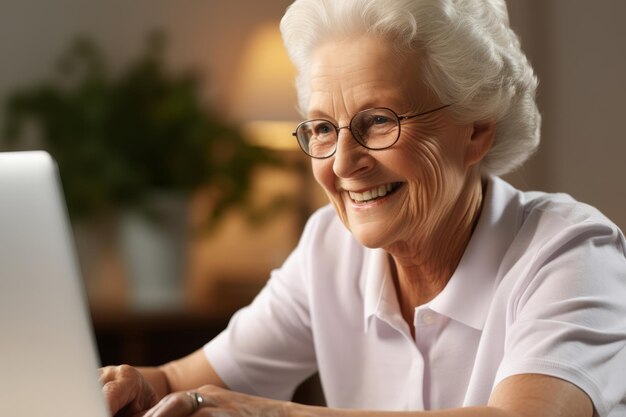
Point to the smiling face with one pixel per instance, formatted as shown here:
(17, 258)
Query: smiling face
(400, 197)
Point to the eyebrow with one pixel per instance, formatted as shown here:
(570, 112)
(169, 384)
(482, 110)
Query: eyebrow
(320, 114)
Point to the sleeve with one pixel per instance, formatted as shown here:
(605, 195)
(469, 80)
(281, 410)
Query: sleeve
(568, 318)
(267, 348)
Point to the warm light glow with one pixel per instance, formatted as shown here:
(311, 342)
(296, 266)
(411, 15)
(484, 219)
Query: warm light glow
(271, 134)
(264, 88)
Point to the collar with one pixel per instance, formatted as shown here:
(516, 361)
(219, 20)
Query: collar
(379, 297)
(467, 296)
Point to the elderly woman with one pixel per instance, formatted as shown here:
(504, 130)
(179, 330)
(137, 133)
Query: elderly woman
(429, 283)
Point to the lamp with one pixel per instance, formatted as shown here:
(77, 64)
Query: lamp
(264, 96)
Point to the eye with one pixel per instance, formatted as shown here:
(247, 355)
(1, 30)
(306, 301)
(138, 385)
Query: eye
(324, 128)
(380, 120)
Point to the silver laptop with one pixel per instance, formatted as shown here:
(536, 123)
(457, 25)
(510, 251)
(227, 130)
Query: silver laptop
(48, 360)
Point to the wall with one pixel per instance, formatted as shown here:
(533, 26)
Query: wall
(576, 46)
(205, 34)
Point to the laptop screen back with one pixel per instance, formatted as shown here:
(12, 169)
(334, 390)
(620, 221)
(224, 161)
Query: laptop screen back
(48, 360)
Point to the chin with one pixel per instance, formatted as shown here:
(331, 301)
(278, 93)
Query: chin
(369, 238)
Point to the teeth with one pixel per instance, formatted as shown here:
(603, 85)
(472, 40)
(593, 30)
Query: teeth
(373, 193)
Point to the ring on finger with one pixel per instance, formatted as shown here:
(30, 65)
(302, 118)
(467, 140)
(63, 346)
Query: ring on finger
(196, 400)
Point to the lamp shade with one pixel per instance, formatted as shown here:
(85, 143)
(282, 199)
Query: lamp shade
(264, 96)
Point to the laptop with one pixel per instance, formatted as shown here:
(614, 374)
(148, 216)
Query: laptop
(48, 359)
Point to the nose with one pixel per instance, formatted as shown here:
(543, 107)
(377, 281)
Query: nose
(350, 157)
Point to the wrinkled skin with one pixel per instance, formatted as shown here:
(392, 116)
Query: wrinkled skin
(426, 223)
(218, 402)
(126, 391)
(130, 395)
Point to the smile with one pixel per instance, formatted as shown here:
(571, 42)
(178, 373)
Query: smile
(373, 193)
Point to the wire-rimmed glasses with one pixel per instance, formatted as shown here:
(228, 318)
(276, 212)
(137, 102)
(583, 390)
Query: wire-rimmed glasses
(376, 129)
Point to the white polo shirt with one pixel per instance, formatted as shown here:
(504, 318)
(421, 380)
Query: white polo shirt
(541, 288)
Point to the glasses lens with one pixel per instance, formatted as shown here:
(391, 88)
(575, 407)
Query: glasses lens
(317, 138)
(375, 128)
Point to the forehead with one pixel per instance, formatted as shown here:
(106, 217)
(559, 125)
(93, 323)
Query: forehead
(356, 73)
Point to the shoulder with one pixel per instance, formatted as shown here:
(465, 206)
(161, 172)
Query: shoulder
(325, 217)
(324, 231)
(552, 241)
(327, 246)
(561, 223)
(548, 219)
(562, 208)
(562, 247)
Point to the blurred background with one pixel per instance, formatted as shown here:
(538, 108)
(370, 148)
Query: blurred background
(171, 123)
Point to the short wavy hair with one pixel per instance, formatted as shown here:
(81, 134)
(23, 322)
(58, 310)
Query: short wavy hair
(473, 59)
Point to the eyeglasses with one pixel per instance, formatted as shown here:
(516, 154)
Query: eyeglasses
(375, 129)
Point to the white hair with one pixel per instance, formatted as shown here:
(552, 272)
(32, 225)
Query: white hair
(473, 59)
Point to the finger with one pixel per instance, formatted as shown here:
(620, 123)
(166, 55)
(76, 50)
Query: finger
(124, 386)
(115, 396)
(106, 374)
(212, 395)
(178, 404)
(203, 397)
(115, 387)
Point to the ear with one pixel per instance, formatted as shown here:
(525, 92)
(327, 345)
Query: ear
(480, 141)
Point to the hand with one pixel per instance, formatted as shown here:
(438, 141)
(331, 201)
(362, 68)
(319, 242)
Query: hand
(218, 402)
(126, 391)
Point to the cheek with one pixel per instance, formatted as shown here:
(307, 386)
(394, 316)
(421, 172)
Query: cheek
(427, 165)
(432, 177)
(323, 174)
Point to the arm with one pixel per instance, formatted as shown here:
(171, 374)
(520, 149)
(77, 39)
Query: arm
(183, 374)
(540, 395)
(278, 329)
(138, 389)
(517, 396)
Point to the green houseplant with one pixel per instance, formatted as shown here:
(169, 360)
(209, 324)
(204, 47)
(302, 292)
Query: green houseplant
(123, 137)
(120, 137)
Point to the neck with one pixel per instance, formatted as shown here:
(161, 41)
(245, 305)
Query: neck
(423, 267)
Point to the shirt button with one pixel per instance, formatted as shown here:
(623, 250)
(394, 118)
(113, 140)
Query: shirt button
(428, 318)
